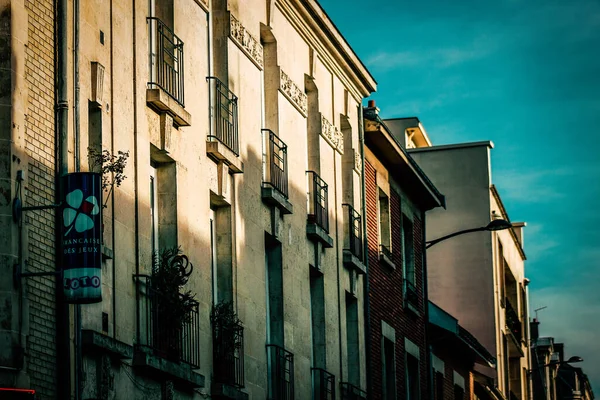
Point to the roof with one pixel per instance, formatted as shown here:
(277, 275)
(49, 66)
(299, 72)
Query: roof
(379, 138)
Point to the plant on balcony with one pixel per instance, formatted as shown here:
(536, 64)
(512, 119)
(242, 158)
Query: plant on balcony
(112, 168)
(172, 305)
(227, 342)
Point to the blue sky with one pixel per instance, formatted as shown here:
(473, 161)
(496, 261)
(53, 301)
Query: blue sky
(526, 75)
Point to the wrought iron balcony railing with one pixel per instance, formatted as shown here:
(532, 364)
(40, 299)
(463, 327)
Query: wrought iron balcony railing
(166, 60)
(354, 229)
(512, 321)
(317, 201)
(410, 293)
(174, 343)
(223, 114)
(275, 162)
(228, 354)
(281, 373)
(351, 392)
(385, 251)
(323, 384)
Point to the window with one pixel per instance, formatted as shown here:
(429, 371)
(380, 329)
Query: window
(153, 210)
(163, 205)
(317, 314)
(352, 340)
(389, 370)
(459, 386)
(408, 244)
(501, 267)
(384, 223)
(412, 377)
(438, 386)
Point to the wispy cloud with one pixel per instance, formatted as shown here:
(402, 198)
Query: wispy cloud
(531, 186)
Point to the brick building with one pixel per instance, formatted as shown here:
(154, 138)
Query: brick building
(398, 194)
(243, 123)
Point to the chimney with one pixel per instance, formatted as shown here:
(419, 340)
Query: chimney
(371, 112)
(534, 329)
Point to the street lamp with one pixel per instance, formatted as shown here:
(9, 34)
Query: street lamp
(571, 360)
(495, 225)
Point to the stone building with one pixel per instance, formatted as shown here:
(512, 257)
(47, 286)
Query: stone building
(479, 278)
(398, 195)
(243, 124)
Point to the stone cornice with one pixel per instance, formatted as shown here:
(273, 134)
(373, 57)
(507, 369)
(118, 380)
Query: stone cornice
(245, 41)
(313, 25)
(293, 93)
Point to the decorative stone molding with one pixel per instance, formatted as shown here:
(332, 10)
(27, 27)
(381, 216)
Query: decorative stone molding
(245, 41)
(357, 162)
(332, 134)
(293, 93)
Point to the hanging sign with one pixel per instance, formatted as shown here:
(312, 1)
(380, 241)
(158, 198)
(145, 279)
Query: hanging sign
(81, 235)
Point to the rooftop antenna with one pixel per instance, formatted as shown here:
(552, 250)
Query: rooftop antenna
(536, 311)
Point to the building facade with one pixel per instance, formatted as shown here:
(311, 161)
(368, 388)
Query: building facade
(398, 195)
(242, 123)
(479, 278)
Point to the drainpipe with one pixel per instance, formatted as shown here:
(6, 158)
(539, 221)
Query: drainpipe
(63, 345)
(363, 211)
(135, 174)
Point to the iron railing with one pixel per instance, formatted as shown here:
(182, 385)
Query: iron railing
(275, 162)
(166, 60)
(323, 384)
(224, 115)
(351, 392)
(512, 321)
(281, 373)
(354, 227)
(410, 293)
(178, 344)
(385, 251)
(317, 201)
(228, 354)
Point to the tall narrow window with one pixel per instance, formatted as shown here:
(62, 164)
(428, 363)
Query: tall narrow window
(459, 386)
(154, 209)
(438, 385)
(384, 222)
(352, 341)
(501, 266)
(317, 314)
(412, 377)
(389, 370)
(409, 249)
(274, 263)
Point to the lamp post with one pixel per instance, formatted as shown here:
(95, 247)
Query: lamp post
(495, 225)
(571, 360)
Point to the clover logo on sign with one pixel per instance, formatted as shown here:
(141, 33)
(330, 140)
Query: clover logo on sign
(78, 214)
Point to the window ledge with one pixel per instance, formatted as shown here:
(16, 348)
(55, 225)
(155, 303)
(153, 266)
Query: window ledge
(107, 253)
(222, 390)
(318, 234)
(386, 261)
(273, 197)
(219, 152)
(160, 100)
(182, 373)
(101, 343)
(353, 262)
(410, 307)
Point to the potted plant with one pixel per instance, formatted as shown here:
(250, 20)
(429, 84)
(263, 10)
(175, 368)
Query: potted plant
(171, 305)
(227, 341)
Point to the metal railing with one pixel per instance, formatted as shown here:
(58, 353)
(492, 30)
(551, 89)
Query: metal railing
(281, 373)
(317, 201)
(228, 355)
(224, 115)
(177, 344)
(166, 60)
(410, 293)
(354, 227)
(275, 161)
(323, 384)
(384, 250)
(512, 321)
(351, 392)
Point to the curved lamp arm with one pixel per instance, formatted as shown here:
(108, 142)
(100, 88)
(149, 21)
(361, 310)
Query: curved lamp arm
(495, 225)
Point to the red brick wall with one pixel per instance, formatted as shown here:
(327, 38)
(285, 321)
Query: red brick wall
(386, 292)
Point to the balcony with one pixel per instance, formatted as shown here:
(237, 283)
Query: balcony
(275, 172)
(317, 227)
(166, 84)
(411, 296)
(228, 355)
(323, 384)
(164, 347)
(353, 245)
(351, 392)
(515, 328)
(386, 256)
(281, 373)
